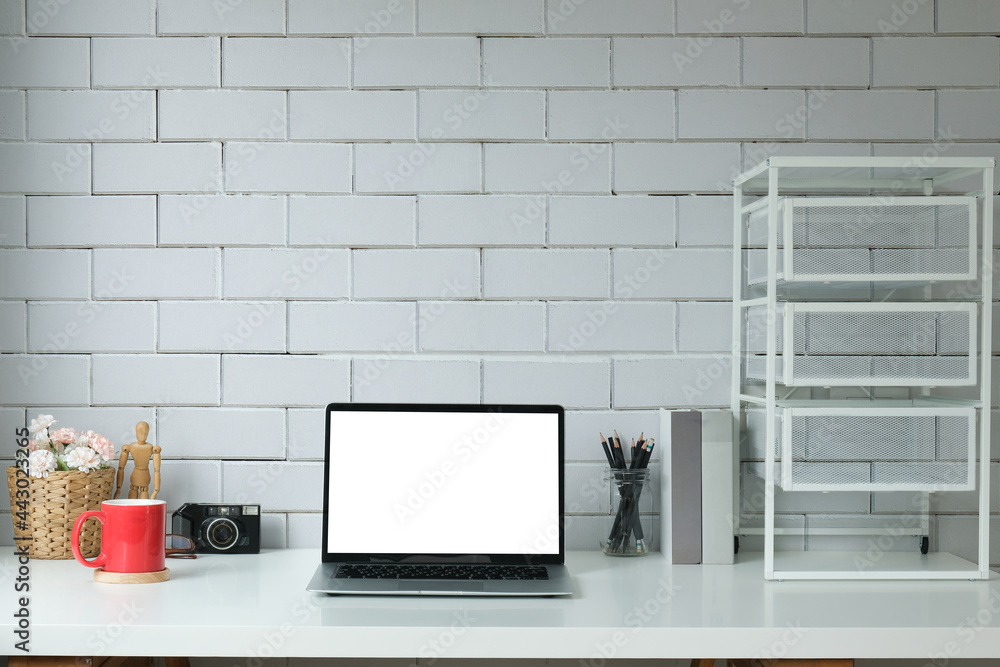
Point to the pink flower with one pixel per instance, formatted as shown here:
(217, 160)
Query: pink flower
(65, 436)
(103, 446)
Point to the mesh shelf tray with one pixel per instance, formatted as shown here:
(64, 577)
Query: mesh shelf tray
(871, 344)
(877, 449)
(869, 239)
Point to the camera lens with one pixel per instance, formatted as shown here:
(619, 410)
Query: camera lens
(221, 533)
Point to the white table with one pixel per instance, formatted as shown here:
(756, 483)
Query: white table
(634, 608)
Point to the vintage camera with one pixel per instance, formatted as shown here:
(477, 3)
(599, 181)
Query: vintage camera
(219, 529)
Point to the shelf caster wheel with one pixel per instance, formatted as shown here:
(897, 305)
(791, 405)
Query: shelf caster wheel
(736, 544)
(925, 544)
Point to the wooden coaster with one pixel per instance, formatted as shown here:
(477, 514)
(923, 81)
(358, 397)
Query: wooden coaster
(131, 577)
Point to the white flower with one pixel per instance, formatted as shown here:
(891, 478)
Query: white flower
(41, 462)
(41, 423)
(84, 458)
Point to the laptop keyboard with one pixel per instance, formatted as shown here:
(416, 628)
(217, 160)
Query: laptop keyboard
(457, 572)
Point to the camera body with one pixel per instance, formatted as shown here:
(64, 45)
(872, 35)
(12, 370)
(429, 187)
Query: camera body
(219, 528)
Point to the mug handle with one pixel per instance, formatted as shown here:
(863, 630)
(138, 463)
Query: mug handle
(75, 539)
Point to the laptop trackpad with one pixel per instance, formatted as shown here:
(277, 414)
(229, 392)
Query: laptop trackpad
(442, 586)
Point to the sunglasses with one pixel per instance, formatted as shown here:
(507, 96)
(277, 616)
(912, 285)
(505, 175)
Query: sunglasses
(179, 546)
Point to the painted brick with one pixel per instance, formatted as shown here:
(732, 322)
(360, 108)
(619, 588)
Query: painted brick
(550, 167)
(20, 277)
(350, 17)
(352, 115)
(285, 273)
(611, 17)
(118, 424)
(741, 114)
(147, 379)
(222, 114)
(85, 222)
(611, 221)
(292, 380)
(44, 62)
(303, 529)
(545, 274)
(85, 115)
(397, 380)
(481, 220)
(970, 114)
(213, 432)
(228, 326)
(862, 114)
(13, 418)
(282, 273)
(673, 274)
(936, 62)
(12, 222)
(44, 379)
(705, 221)
(161, 62)
(197, 220)
(481, 114)
(194, 17)
(968, 16)
(583, 429)
(694, 381)
(572, 384)
(801, 62)
(348, 327)
(728, 16)
(190, 482)
(408, 61)
(610, 326)
(12, 115)
(550, 63)
(160, 273)
(250, 62)
(683, 168)
(351, 221)
(585, 490)
(12, 17)
(285, 167)
(44, 168)
(152, 168)
(92, 17)
(278, 485)
(478, 326)
(486, 17)
(306, 433)
(869, 17)
(675, 61)
(417, 168)
(92, 327)
(416, 274)
(12, 326)
(610, 115)
(704, 327)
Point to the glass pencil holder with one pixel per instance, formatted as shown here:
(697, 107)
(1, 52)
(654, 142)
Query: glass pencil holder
(628, 529)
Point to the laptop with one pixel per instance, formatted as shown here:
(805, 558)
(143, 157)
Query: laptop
(437, 499)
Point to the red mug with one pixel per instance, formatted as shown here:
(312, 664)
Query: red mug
(132, 535)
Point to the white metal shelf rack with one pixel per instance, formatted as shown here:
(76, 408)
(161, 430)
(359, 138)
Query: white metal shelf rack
(861, 343)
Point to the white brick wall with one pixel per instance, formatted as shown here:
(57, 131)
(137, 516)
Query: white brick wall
(81, 222)
(219, 217)
(97, 17)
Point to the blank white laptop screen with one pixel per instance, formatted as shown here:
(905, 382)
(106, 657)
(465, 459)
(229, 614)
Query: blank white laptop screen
(443, 482)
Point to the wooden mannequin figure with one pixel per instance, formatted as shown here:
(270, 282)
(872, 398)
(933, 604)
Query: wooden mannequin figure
(141, 452)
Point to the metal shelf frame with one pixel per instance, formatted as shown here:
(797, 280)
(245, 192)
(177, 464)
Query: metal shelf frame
(938, 180)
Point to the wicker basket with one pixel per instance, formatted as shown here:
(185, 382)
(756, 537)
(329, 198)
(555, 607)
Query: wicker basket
(54, 503)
